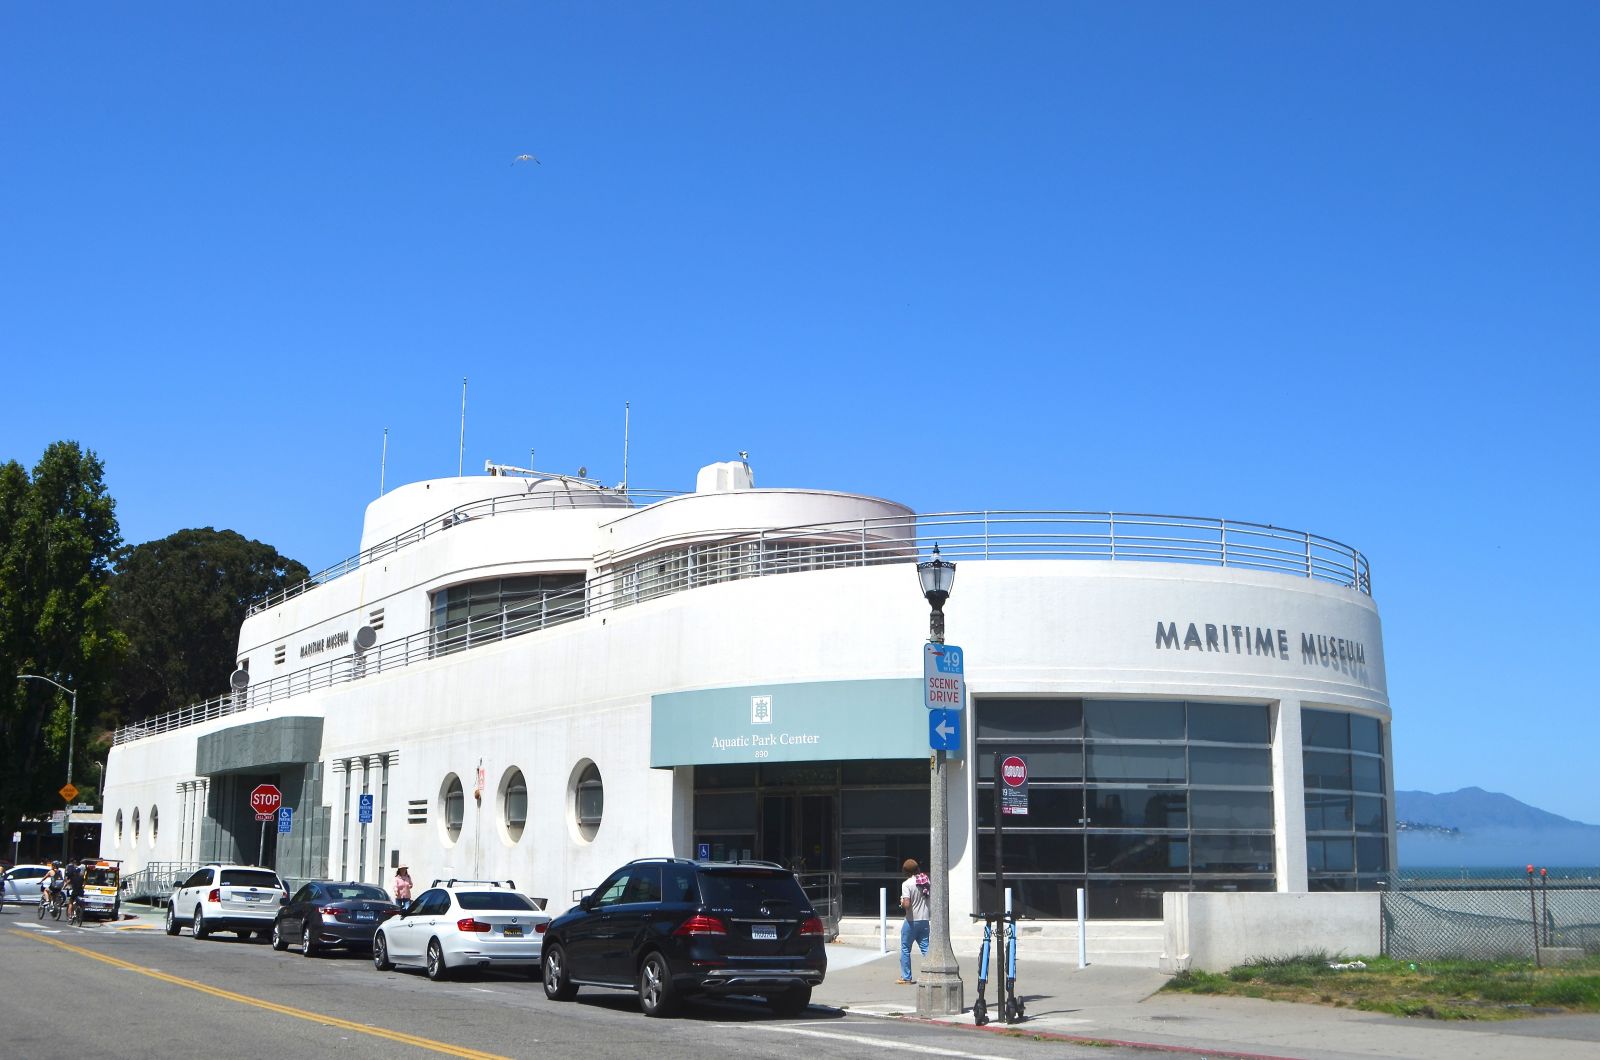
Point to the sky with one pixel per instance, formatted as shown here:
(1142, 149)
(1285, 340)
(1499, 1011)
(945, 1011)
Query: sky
(1330, 267)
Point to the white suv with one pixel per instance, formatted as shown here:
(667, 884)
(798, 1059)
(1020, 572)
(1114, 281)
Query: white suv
(237, 898)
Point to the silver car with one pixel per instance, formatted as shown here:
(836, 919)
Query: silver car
(22, 883)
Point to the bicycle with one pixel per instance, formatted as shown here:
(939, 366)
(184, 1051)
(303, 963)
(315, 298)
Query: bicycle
(75, 910)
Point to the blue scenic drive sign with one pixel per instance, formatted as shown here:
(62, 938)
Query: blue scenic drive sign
(944, 730)
(943, 686)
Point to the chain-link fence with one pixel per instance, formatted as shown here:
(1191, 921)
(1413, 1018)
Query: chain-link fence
(1490, 919)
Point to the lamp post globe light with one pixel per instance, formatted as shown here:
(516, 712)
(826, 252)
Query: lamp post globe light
(939, 987)
(72, 733)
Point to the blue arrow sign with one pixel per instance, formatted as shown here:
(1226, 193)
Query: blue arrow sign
(366, 809)
(944, 730)
(285, 819)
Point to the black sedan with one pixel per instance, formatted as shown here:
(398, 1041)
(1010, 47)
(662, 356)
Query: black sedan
(325, 914)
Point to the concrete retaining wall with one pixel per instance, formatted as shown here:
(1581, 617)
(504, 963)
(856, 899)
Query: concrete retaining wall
(1213, 932)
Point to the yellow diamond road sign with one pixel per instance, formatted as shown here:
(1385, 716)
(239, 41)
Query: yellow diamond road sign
(68, 792)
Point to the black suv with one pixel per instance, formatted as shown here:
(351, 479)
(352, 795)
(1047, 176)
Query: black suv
(671, 929)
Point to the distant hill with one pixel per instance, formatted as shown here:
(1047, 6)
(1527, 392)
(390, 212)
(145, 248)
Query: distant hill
(1474, 827)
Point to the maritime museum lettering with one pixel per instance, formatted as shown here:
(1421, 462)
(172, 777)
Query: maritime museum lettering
(1315, 648)
(322, 644)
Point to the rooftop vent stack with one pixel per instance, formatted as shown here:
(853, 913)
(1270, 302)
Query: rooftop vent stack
(725, 476)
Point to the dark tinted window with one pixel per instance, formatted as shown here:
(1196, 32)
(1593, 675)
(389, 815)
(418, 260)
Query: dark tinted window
(1325, 728)
(1328, 813)
(739, 888)
(1145, 764)
(308, 893)
(250, 878)
(1136, 808)
(1243, 766)
(884, 809)
(1116, 720)
(1030, 719)
(1042, 765)
(1232, 853)
(493, 900)
(678, 884)
(644, 884)
(1367, 773)
(1369, 814)
(1047, 808)
(724, 811)
(1325, 769)
(1230, 809)
(878, 771)
(1137, 853)
(1366, 734)
(1228, 722)
(431, 903)
(199, 879)
(1034, 852)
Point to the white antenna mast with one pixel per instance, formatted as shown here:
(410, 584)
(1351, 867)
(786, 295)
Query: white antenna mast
(461, 454)
(383, 461)
(627, 408)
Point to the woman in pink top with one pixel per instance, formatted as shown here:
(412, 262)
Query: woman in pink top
(402, 887)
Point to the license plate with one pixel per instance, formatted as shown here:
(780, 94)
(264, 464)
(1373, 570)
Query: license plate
(514, 931)
(252, 897)
(764, 931)
(366, 916)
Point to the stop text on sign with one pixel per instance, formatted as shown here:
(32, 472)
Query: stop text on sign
(266, 798)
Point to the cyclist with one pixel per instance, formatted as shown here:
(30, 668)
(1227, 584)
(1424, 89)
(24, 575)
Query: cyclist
(74, 884)
(49, 888)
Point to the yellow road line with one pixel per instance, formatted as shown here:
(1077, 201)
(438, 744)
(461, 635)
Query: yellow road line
(282, 1010)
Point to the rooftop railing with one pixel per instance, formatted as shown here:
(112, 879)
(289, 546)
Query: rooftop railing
(676, 564)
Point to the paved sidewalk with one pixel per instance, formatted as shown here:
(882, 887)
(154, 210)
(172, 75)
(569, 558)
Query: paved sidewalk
(1111, 1004)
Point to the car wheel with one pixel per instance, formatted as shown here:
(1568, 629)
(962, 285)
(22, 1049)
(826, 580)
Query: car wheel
(557, 987)
(308, 942)
(380, 953)
(199, 922)
(656, 996)
(790, 1003)
(436, 967)
(172, 921)
(279, 943)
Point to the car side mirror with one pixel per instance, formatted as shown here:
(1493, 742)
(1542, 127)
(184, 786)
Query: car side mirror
(586, 903)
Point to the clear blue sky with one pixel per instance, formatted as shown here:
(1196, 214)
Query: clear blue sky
(1326, 266)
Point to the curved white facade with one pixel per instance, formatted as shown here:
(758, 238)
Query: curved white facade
(691, 608)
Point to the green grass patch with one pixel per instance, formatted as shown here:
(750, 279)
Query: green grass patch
(1446, 990)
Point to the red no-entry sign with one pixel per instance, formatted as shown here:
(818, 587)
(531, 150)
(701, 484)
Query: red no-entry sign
(265, 800)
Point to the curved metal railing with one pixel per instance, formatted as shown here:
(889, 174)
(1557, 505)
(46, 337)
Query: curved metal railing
(676, 564)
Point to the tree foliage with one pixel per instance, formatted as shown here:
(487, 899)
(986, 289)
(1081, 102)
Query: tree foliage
(58, 536)
(180, 602)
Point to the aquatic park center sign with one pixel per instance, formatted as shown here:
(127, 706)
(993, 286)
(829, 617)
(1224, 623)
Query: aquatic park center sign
(812, 721)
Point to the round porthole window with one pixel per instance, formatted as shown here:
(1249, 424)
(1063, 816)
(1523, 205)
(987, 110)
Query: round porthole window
(513, 803)
(452, 807)
(588, 800)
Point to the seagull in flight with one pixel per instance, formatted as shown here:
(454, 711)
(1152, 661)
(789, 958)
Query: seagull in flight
(526, 158)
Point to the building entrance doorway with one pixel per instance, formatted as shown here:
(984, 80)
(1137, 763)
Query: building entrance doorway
(799, 831)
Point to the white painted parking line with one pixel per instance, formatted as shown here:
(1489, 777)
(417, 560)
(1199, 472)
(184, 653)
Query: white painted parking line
(880, 1043)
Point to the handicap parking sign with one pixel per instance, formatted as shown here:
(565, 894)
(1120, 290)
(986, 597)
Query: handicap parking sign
(702, 851)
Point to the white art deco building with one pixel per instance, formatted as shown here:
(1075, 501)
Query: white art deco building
(536, 677)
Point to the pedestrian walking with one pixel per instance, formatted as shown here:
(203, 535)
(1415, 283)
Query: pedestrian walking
(914, 900)
(402, 888)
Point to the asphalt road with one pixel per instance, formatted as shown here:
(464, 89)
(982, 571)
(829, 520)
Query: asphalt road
(106, 991)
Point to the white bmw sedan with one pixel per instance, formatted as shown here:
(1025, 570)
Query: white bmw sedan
(464, 924)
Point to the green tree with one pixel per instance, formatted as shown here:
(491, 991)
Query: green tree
(58, 534)
(180, 602)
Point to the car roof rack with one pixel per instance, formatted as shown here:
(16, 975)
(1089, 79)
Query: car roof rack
(452, 881)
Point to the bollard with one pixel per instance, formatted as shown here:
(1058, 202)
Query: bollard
(1083, 930)
(883, 919)
(1533, 919)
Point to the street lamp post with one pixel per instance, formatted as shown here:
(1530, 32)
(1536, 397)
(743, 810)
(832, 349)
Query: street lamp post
(72, 735)
(939, 988)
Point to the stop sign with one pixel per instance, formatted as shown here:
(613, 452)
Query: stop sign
(265, 800)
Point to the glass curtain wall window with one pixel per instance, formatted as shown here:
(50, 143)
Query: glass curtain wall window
(1128, 799)
(496, 608)
(1347, 819)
